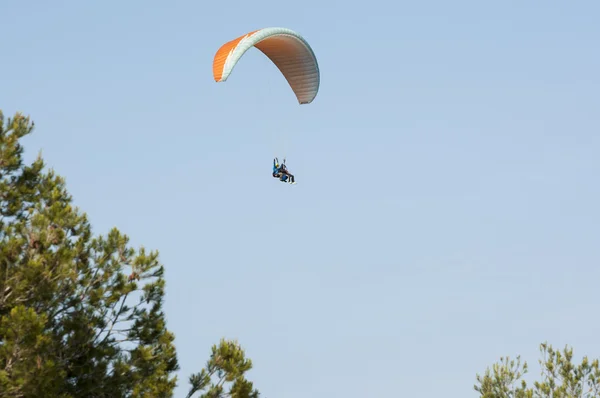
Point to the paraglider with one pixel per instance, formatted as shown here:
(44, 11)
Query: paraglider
(281, 172)
(289, 51)
(292, 55)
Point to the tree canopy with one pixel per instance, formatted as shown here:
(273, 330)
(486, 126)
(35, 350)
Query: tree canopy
(560, 377)
(82, 315)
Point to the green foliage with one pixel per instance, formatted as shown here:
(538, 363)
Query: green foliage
(80, 316)
(227, 364)
(561, 378)
(67, 307)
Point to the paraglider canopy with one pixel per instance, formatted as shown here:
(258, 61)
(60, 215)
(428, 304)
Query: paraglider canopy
(289, 51)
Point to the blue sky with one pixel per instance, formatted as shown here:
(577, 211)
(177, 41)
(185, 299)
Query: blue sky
(446, 211)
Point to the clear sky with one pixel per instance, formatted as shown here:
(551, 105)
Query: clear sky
(447, 206)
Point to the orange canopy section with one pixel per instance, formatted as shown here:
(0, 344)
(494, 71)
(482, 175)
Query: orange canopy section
(289, 51)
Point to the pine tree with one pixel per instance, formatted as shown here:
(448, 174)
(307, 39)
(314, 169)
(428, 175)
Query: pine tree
(80, 316)
(227, 364)
(561, 378)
